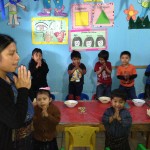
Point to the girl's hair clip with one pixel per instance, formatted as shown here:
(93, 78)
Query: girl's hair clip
(45, 88)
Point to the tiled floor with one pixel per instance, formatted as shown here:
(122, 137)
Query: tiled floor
(139, 138)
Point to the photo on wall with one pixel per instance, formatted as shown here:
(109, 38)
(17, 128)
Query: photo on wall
(88, 40)
(50, 30)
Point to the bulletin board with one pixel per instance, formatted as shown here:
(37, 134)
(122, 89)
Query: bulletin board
(49, 30)
(88, 39)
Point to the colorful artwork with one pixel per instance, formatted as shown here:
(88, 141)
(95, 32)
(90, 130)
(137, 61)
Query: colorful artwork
(93, 0)
(50, 30)
(2, 9)
(88, 39)
(58, 11)
(103, 14)
(12, 11)
(141, 21)
(81, 16)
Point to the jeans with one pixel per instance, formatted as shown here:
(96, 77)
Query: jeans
(130, 91)
(103, 90)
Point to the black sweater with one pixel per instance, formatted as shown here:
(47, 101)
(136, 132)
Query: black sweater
(12, 115)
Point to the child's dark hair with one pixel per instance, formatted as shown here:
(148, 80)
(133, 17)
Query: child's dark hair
(42, 91)
(125, 53)
(104, 54)
(36, 50)
(119, 93)
(75, 54)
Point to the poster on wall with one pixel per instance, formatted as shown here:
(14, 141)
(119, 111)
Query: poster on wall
(138, 19)
(81, 16)
(88, 39)
(93, 0)
(50, 30)
(103, 14)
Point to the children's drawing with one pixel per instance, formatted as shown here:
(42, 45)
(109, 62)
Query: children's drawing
(141, 21)
(93, 0)
(145, 7)
(58, 11)
(103, 14)
(88, 39)
(131, 12)
(50, 30)
(12, 11)
(81, 16)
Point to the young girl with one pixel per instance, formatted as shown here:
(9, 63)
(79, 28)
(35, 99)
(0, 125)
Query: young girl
(15, 106)
(117, 121)
(39, 69)
(45, 120)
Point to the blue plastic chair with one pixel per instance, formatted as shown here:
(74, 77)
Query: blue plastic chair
(53, 96)
(83, 97)
(141, 96)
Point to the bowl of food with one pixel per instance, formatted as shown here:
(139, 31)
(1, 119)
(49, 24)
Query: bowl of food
(104, 99)
(71, 103)
(138, 102)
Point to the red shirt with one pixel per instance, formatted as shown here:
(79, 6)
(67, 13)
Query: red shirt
(104, 77)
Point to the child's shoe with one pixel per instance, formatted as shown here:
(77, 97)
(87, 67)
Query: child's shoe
(59, 12)
(46, 12)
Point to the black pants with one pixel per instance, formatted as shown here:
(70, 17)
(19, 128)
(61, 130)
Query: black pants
(49, 145)
(147, 92)
(75, 88)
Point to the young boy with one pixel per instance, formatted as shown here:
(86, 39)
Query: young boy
(76, 71)
(117, 121)
(147, 86)
(127, 73)
(103, 70)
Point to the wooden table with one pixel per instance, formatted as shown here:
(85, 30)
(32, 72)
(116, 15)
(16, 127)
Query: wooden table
(93, 115)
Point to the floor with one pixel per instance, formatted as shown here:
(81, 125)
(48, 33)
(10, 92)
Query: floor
(139, 138)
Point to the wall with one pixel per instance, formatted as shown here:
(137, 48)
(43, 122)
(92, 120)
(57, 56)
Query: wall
(58, 56)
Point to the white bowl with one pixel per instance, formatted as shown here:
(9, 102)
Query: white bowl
(104, 99)
(138, 102)
(71, 103)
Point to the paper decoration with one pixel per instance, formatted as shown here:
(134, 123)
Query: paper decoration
(103, 15)
(12, 9)
(50, 30)
(81, 16)
(58, 11)
(2, 9)
(88, 39)
(131, 12)
(93, 0)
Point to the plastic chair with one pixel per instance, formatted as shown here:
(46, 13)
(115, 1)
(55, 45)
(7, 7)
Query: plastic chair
(53, 96)
(141, 147)
(83, 97)
(141, 96)
(94, 96)
(80, 136)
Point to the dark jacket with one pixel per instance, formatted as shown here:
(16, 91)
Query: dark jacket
(12, 115)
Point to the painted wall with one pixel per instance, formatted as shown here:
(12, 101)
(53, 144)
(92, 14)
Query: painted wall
(58, 56)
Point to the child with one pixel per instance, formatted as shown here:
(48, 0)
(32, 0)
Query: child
(45, 120)
(147, 86)
(76, 71)
(103, 70)
(127, 73)
(117, 121)
(39, 69)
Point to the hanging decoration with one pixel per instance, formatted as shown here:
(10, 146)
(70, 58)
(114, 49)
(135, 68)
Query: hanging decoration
(141, 21)
(2, 9)
(58, 11)
(12, 11)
